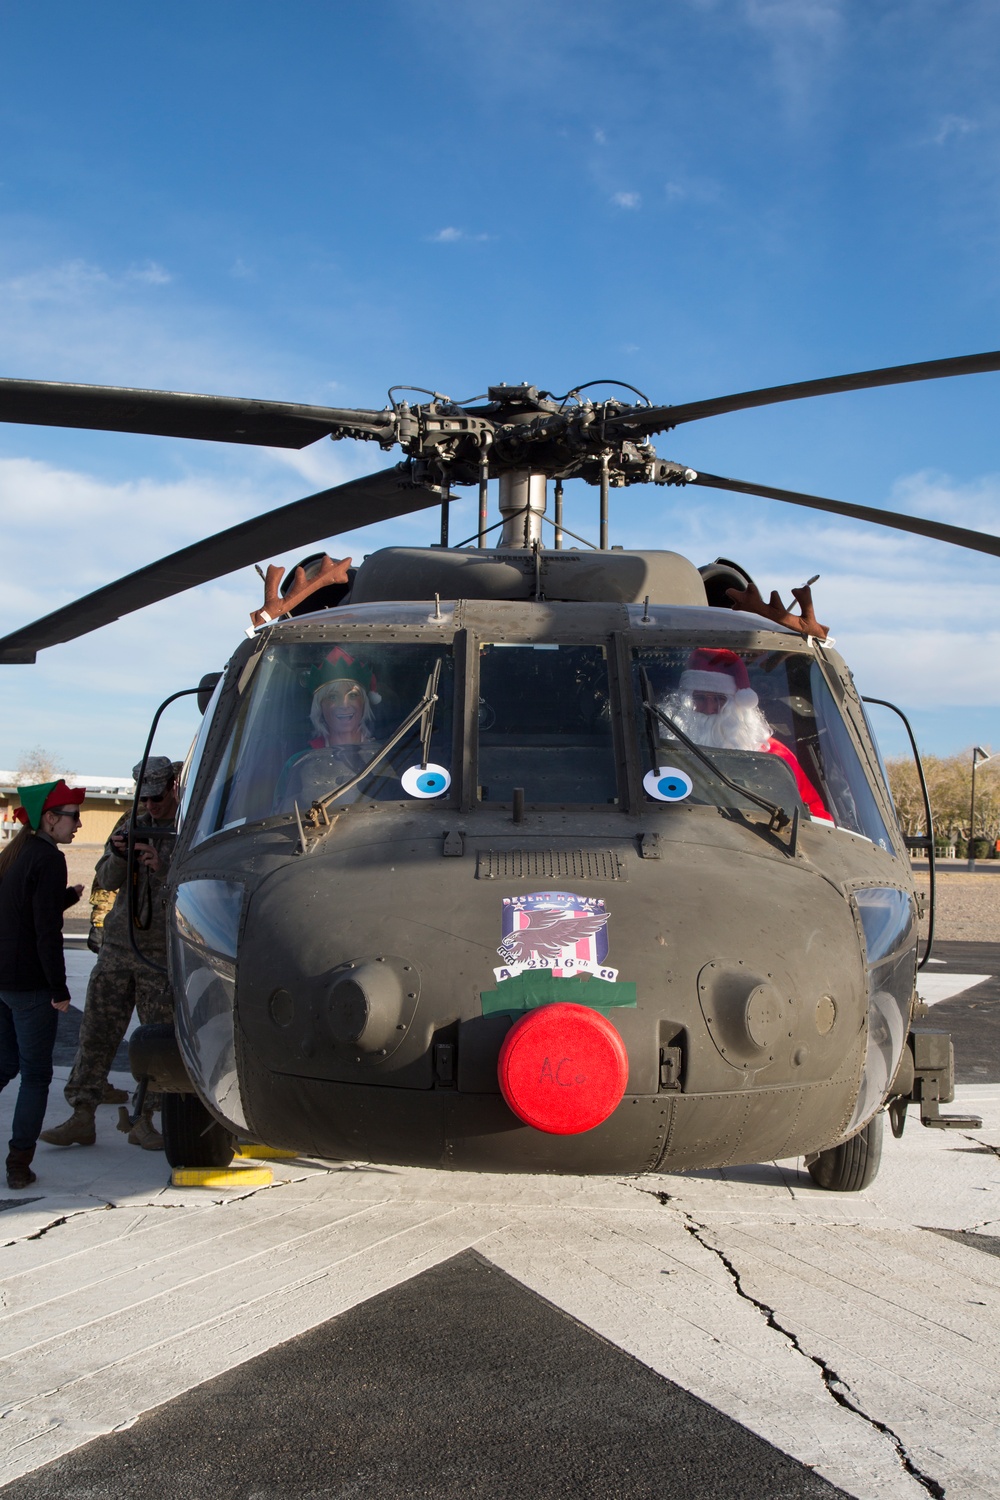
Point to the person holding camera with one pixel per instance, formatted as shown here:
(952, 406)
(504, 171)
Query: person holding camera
(120, 981)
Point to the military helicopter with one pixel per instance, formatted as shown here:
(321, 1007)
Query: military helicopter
(470, 872)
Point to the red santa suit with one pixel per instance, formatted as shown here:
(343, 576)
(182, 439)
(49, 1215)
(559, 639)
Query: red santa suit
(739, 725)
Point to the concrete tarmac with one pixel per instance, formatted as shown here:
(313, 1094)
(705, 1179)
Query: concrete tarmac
(357, 1330)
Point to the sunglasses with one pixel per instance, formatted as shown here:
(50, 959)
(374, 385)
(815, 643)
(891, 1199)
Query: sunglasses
(159, 796)
(67, 812)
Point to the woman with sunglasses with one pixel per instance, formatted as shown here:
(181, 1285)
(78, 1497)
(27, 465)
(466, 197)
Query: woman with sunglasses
(33, 897)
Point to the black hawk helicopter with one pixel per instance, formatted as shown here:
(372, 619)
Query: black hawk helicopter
(520, 857)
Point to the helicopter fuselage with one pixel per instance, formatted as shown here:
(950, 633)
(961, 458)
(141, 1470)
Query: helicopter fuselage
(345, 981)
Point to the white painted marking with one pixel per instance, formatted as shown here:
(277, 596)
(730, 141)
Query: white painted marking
(937, 987)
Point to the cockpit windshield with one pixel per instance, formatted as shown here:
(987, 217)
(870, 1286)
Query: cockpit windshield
(315, 716)
(768, 722)
(545, 724)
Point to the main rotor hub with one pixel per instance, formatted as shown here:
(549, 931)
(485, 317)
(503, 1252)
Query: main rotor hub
(520, 430)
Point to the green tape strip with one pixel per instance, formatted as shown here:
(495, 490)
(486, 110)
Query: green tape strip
(536, 987)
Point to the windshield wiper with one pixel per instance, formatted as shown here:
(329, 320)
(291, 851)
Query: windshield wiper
(779, 819)
(423, 712)
(427, 727)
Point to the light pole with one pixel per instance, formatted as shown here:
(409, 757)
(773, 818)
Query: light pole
(978, 754)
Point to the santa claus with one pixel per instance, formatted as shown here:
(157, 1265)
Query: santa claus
(715, 706)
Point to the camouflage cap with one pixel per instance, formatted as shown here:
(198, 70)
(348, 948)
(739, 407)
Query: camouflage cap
(160, 772)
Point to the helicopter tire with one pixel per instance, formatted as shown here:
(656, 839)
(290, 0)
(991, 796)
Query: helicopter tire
(191, 1137)
(852, 1165)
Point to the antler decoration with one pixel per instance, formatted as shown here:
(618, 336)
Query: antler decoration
(277, 604)
(805, 622)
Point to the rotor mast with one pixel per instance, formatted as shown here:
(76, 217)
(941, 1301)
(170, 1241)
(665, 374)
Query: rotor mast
(522, 506)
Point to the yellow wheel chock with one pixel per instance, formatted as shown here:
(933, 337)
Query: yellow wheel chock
(222, 1177)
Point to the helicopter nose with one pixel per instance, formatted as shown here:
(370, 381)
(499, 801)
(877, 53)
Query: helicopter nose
(563, 1068)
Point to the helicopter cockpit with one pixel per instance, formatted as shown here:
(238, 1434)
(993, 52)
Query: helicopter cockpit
(545, 726)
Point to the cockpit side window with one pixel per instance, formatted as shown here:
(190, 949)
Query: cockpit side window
(316, 715)
(545, 724)
(851, 798)
(766, 719)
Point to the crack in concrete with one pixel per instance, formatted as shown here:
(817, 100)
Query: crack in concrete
(983, 1145)
(104, 1204)
(58, 1223)
(834, 1383)
(981, 1224)
(660, 1197)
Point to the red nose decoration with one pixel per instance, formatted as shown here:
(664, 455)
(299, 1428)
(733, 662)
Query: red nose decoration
(563, 1068)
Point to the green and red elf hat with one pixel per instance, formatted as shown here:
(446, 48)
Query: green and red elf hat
(340, 663)
(38, 799)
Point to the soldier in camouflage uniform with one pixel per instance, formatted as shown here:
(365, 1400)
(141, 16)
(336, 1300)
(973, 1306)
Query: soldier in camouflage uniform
(119, 979)
(101, 903)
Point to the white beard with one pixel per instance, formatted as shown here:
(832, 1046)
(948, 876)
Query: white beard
(732, 728)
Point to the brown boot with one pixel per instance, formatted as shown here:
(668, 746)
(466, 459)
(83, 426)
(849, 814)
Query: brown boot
(19, 1173)
(111, 1095)
(78, 1130)
(145, 1134)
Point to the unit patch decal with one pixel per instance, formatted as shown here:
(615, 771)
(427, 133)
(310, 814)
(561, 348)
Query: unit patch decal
(557, 931)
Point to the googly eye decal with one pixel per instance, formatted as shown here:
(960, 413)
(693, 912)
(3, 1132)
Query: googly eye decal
(667, 784)
(426, 781)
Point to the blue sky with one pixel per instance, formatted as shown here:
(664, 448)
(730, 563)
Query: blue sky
(317, 200)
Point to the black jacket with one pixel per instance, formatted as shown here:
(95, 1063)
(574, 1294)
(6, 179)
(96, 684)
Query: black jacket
(33, 897)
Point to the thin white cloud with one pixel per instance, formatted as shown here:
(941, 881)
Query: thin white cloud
(803, 36)
(951, 126)
(65, 281)
(152, 273)
(73, 320)
(626, 200)
(692, 190)
(450, 235)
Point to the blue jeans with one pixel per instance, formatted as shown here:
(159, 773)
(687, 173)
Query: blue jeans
(28, 1023)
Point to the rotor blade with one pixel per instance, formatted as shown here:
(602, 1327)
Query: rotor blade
(377, 497)
(661, 418)
(958, 536)
(221, 419)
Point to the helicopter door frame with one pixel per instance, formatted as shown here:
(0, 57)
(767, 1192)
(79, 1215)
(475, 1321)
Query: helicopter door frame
(233, 686)
(626, 726)
(465, 755)
(916, 843)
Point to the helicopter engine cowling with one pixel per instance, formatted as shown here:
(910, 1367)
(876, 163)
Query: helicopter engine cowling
(611, 577)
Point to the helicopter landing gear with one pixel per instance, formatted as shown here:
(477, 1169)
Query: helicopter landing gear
(852, 1165)
(191, 1137)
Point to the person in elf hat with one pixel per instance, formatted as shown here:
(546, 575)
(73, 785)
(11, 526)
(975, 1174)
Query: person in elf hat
(716, 707)
(33, 897)
(119, 980)
(343, 741)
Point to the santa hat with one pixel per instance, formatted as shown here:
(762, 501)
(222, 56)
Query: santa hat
(711, 670)
(339, 664)
(38, 799)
